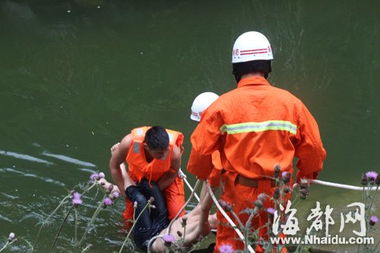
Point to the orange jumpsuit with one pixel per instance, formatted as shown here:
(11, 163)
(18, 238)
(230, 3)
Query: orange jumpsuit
(255, 127)
(139, 168)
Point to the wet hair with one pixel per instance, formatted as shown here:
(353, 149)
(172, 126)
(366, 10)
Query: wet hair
(157, 138)
(259, 66)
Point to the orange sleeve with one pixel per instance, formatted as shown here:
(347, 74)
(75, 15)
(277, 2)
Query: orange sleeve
(205, 140)
(309, 147)
(199, 165)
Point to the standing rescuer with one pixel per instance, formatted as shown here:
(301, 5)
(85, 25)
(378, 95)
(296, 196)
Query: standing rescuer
(256, 128)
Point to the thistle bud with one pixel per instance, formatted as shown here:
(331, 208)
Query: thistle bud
(364, 180)
(101, 175)
(304, 193)
(285, 176)
(277, 170)
(276, 193)
(258, 203)
(184, 221)
(11, 237)
(286, 189)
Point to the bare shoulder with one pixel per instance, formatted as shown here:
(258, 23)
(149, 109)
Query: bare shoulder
(127, 140)
(125, 143)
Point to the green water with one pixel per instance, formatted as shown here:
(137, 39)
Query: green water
(77, 75)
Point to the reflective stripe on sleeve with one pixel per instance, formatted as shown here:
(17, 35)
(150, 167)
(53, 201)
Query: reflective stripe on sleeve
(259, 127)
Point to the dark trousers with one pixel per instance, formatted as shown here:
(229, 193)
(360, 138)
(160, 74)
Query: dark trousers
(152, 220)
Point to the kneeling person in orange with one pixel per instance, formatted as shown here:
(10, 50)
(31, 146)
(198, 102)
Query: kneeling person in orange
(255, 127)
(154, 154)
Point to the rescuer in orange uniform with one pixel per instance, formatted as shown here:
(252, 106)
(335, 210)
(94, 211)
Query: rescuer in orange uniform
(153, 154)
(255, 127)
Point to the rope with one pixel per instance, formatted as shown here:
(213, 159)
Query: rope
(240, 234)
(151, 241)
(183, 176)
(345, 186)
(342, 186)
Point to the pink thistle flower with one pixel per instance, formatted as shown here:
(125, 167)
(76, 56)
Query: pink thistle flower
(168, 238)
(76, 195)
(371, 175)
(77, 202)
(226, 248)
(373, 220)
(115, 194)
(271, 210)
(76, 199)
(101, 175)
(107, 201)
(94, 177)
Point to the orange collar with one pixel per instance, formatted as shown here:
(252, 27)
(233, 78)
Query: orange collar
(253, 80)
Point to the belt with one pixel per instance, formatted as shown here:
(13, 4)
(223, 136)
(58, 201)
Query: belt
(253, 182)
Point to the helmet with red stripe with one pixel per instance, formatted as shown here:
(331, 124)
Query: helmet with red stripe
(251, 46)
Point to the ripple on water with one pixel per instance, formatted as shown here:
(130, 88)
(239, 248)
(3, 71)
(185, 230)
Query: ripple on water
(3, 218)
(45, 179)
(25, 157)
(9, 196)
(68, 159)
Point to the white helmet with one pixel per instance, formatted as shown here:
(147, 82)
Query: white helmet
(201, 103)
(251, 46)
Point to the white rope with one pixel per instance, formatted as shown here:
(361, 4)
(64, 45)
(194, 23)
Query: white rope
(240, 234)
(183, 176)
(151, 241)
(345, 186)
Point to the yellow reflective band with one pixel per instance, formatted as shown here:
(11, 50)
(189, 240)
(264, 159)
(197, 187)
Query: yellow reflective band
(259, 127)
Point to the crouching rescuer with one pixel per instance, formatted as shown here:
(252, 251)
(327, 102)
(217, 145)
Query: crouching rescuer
(149, 154)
